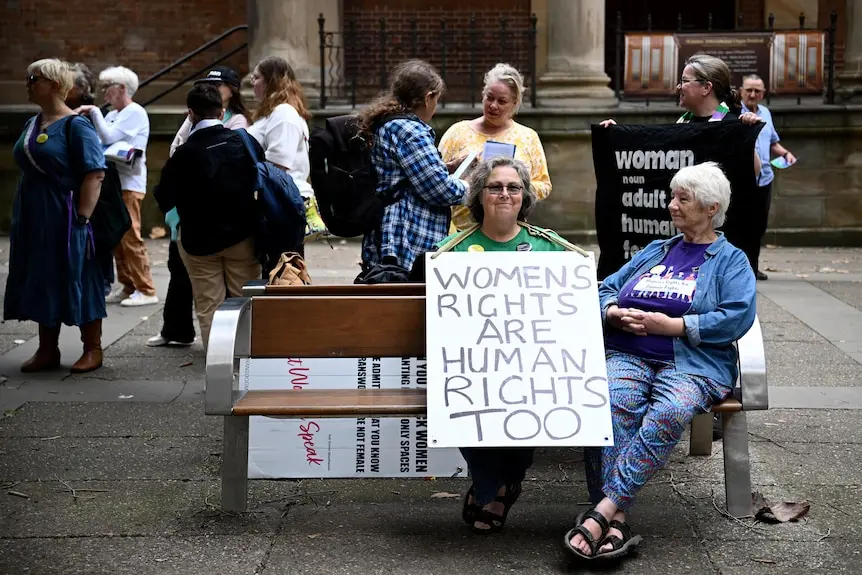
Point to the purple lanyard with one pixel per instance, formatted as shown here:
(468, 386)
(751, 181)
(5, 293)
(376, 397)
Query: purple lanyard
(30, 149)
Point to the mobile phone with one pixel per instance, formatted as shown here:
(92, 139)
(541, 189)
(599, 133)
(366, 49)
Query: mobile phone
(781, 163)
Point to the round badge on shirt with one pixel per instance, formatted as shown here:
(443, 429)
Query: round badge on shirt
(42, 138)
(524, 247)
(658, 269)
(475, 248)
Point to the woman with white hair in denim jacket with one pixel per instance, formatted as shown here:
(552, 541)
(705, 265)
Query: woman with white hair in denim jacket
(127, 122)
(671, 315)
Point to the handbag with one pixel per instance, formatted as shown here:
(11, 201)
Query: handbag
(290, 270)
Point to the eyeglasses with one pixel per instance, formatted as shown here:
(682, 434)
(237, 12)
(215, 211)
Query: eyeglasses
(106, 87)
(753, 91)
(497, 189)
(33, 78)
(688, 80)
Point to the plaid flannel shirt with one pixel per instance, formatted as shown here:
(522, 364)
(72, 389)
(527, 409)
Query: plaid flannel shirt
(404, 153)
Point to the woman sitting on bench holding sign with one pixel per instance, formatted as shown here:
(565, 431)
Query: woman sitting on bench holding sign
(671, 315)
(500, 198)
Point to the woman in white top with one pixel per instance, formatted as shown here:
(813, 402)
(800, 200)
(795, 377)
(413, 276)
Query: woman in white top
(280, 125)
(127, 123)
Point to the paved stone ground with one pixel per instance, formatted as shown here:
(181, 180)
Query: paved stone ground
(119, 468)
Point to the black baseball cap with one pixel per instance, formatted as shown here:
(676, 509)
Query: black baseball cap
(222, 75)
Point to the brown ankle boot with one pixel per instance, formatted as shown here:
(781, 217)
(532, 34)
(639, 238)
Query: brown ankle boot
(48, 355)
(91, 335)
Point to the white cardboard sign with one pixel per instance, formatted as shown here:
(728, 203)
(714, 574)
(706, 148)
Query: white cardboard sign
(515, 351)
(342, 447)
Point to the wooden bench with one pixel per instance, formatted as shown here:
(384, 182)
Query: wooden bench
(388, 320)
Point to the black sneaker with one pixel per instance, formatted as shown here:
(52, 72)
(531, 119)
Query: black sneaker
(761, 276)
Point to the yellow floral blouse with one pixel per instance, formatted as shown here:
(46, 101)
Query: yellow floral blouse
(461, 139)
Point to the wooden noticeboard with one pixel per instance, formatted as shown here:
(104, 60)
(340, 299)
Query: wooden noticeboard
(790, 62)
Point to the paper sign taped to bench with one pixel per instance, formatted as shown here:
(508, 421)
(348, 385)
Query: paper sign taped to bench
(515, 351)
(342, 447)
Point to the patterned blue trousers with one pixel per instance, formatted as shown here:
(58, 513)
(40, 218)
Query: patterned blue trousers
(651, 403)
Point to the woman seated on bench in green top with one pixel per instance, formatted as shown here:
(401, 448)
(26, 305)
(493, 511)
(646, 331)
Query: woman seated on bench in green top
(499, 199)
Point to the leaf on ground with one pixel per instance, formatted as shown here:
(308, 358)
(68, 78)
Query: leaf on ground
(313, 535)
(125, 396)
(186, 364)
(771, 246)
(782, 512)
(766, 561)
(20, 341)
(19, 494)
(444, 495)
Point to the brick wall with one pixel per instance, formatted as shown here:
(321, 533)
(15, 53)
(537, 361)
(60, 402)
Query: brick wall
(368, 59)
(145, 36)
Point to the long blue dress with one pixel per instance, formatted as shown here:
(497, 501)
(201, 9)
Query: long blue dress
(54, 276)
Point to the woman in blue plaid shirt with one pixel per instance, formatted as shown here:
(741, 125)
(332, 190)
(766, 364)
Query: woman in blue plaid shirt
(406, 158)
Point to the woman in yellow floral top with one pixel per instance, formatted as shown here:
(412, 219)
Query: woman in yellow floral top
(501, 98)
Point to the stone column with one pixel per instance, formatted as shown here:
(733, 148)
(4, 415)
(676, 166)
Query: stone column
(281, 28)
(576, 56)
(849, 80)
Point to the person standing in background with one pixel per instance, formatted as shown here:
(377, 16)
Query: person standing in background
(753, 92)
(127, 122)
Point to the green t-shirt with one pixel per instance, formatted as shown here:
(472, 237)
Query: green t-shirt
(523, 242)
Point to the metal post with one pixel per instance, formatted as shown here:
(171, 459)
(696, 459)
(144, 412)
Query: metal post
(679, 22)
(648, 21)
(618, 73)
(472, 61)
(321, 21)
(414, 37)
(503, 39)
(830, 70)
(354, 53)
(803, 78)
(382, 54)
(709, 22)
(533, 71)
(443, 46)
(771, 21)
(802, 20)
(739, 21)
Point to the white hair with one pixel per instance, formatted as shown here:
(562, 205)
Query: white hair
(510, 77)
(708, 185)
(120, 75)
(56, 71)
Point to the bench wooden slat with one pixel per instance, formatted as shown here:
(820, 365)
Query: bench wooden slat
(729, 405)
(356, 403)
(347, 290)
(391, 326)
(333, 402)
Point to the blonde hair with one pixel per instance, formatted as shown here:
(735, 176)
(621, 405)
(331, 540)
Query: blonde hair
(511, 78)
(57, 71)
(120, 75)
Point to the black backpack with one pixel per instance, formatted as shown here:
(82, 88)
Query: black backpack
(110, 219)
(344, 181)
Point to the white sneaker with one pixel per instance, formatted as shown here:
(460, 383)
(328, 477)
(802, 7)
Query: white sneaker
(137, 298)
(116, 296)
(159, 341)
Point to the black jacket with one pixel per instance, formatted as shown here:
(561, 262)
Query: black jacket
(210, 180)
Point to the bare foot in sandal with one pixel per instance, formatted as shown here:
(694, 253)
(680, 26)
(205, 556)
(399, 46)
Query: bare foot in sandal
(613, 532)
(496, 508)
(579, 542)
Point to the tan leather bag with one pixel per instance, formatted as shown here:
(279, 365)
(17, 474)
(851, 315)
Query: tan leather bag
(290, 271)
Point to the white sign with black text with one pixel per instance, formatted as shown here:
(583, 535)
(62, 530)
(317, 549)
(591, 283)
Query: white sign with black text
(515, 351)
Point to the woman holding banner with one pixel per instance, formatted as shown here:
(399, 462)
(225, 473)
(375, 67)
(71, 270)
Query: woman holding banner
(499, 199)
(671, 315)
(707, 96)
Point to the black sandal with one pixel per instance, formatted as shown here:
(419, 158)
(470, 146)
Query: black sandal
(621, 547)
(496, 522)
(468, 512)
(585, 533)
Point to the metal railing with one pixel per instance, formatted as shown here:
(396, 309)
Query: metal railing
(828, 89)
(355, 63)
(197, 73)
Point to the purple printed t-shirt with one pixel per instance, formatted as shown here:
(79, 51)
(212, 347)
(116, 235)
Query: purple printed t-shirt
(667, 288)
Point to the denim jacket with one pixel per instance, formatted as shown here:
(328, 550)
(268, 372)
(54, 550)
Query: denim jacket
(723, 308)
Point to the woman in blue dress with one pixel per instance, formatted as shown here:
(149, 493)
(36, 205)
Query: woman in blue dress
(54, 277)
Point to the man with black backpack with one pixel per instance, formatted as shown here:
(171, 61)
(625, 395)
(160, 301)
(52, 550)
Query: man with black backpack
(211, 181)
